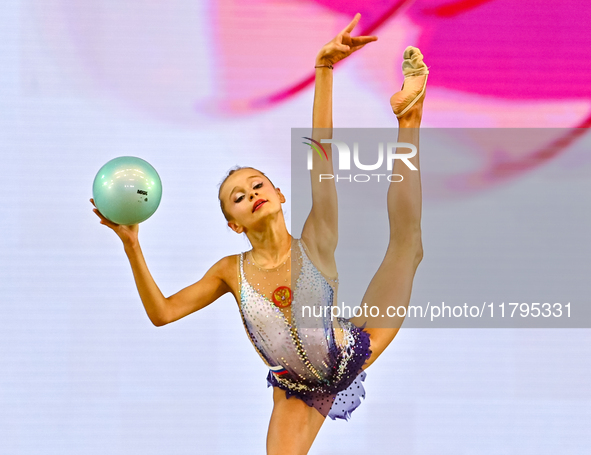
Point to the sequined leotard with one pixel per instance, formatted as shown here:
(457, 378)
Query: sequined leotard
(310, 356)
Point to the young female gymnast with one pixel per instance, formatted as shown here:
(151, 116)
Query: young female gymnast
(318, 361)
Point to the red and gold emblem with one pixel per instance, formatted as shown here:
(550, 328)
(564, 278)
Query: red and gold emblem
(282, 296)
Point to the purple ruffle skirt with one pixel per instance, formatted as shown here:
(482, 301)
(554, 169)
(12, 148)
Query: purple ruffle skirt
(337, 399)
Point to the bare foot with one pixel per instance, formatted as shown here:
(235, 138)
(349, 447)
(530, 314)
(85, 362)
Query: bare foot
(415, 83)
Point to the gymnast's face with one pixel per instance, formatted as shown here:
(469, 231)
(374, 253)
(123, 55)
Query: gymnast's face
(250, 200)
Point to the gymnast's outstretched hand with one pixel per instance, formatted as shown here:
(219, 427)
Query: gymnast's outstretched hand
(343, 45)
(127, 234)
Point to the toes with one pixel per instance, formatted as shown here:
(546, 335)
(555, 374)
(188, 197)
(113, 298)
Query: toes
(408, 52)
(413, 64)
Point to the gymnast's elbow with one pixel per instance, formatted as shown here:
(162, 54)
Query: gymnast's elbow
(158, 322)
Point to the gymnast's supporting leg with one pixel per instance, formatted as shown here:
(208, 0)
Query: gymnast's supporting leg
(392, 283)
(293, 426)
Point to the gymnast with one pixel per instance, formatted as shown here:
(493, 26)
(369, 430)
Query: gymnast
(316, 365)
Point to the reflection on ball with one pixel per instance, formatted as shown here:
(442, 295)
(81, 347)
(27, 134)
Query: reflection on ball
(127, 190)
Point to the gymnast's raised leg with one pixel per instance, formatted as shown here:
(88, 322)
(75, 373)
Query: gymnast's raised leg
(392, 283)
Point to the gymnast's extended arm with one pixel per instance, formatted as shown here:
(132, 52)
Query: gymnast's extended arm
(321, 228)
(162, 310)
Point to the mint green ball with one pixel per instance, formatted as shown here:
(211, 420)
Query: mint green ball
(127, 190)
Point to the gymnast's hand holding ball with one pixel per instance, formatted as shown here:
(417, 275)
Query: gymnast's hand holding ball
(127, 233)
(126, 191)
